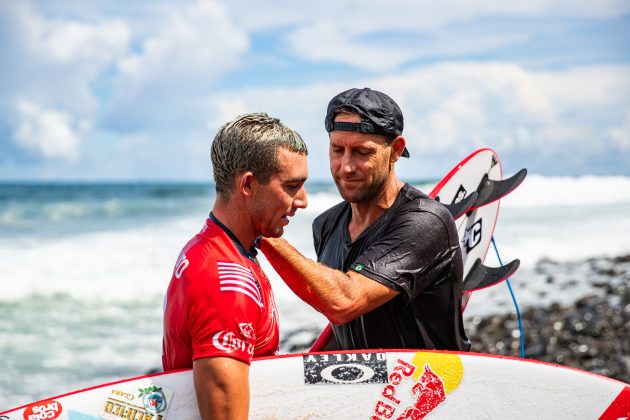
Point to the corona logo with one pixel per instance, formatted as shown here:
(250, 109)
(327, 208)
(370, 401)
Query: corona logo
(229, 343)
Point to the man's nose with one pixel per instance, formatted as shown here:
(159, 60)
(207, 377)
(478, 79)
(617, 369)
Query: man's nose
(300, 201)
(347, 163)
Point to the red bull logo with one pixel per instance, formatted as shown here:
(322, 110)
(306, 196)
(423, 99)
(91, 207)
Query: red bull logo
(418, 388)
(428, 393)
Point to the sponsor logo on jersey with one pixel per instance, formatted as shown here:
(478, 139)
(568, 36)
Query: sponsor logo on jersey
(247, 330)
(181, 265)
(49, 409)
(345, 368)
(472, 236)
(150, 403)
(417, 388)
(229, 343)
(237, 278)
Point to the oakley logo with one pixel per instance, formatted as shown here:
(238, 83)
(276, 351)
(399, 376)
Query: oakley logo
(347, 373)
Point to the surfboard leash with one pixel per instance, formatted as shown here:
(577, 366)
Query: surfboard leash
(518, 311)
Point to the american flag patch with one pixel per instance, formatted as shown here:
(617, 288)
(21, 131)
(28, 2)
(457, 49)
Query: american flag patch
(237, 278)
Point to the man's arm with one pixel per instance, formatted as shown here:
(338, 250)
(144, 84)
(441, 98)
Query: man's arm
(222, 387)
(340, 296)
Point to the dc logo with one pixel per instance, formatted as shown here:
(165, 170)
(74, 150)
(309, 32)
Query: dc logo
(472, 236)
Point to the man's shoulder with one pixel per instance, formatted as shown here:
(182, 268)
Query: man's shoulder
(419, 204)
(209, 247)
(330, 215)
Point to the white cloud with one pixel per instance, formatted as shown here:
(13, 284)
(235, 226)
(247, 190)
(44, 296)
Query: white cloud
(55, 60)
(178, 60)
(226, 110)
(69, 42)
(329, 41)
(47, 98)
(356, 33)
(620, 135)
(46, 132)
(160, 71)
(376, 15)
(472, 103)
(194, 45)
(454, 108)
(584, 86)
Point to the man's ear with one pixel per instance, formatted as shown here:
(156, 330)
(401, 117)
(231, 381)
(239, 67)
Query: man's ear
(398, 146)
(245, 183)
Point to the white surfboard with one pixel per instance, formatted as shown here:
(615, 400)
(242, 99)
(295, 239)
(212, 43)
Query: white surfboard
(363, 385)
(475, 229)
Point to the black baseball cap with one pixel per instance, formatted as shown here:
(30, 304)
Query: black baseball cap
(379, 113)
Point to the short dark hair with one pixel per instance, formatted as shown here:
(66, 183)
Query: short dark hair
(250, 143)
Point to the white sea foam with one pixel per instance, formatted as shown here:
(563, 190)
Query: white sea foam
(541, 191)
(555, 218)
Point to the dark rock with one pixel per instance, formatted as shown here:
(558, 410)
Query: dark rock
(593, 334)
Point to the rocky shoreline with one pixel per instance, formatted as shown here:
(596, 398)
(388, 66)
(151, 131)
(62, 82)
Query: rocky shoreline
(592, 333)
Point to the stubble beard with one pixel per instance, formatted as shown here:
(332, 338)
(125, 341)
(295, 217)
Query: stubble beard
(365, 193)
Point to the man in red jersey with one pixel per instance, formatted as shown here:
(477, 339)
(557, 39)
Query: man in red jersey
(219, 311)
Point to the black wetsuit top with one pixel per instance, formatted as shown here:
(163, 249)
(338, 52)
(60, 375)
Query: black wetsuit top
(413, 248)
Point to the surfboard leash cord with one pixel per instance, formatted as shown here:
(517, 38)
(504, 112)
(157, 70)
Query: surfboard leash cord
(518, 311)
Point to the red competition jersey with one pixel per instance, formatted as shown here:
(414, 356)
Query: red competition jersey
(219, 303)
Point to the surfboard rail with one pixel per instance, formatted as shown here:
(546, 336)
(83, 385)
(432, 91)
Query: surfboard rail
(371, 384)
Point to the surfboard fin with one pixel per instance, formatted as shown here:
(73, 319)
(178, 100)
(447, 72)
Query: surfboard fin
(490, 190)
(481, 276)
(461, 207)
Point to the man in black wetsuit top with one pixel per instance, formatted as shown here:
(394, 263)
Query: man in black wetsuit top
(389, 266)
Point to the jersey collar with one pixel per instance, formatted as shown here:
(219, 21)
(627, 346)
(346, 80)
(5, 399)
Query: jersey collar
(252, 252)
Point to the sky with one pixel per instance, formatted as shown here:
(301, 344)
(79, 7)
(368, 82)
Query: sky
(120, 90)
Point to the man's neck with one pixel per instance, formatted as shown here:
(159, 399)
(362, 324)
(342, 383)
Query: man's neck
(366, 213)
(237, 220)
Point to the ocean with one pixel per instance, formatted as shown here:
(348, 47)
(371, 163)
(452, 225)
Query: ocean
(85, 268)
